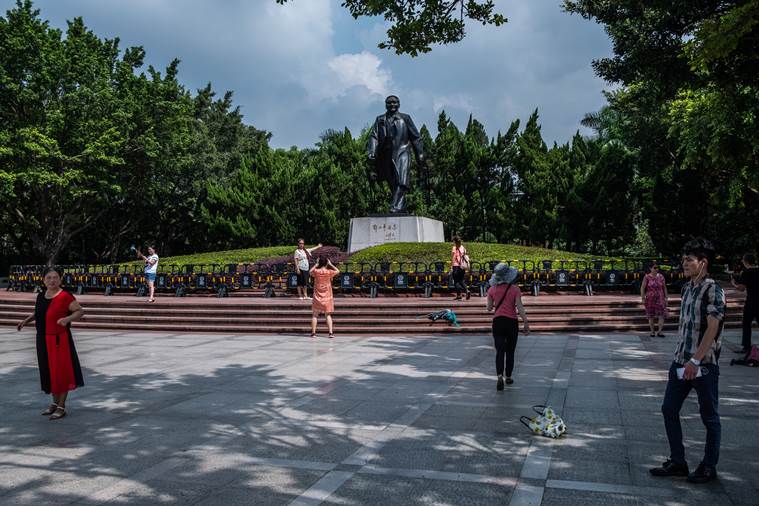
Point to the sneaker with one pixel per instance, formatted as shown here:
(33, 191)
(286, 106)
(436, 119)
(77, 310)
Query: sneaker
(702, 474)
(499, 385)
(458, 297)
(669, 468)
(509, 381)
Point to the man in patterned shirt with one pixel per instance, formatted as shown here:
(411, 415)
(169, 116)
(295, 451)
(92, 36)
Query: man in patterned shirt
(702, 313)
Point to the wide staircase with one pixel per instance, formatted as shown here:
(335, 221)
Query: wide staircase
(353, 315)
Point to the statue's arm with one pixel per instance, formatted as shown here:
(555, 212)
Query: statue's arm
(373, 141)
(416, 139)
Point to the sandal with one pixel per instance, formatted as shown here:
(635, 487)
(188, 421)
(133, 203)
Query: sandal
(58, 414)
(313, 336)
(659, 334)
(652, 334)
(332, 336)
(50, 410)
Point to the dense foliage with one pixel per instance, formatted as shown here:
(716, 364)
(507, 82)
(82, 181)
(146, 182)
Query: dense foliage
(687, 109)
(98, 152)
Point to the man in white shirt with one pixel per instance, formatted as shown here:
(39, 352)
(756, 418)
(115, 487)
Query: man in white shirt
(301, 258)
(151, 267)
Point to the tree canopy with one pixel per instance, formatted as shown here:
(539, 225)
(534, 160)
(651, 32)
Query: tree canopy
(417, 25)
(99, 151)
(687, 110)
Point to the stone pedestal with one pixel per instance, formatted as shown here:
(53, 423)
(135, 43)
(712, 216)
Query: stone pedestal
(375, 230)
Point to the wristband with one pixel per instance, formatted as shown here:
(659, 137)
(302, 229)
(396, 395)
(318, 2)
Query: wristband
(694, 361)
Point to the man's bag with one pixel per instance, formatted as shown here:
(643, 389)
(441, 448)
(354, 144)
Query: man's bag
(547, 422)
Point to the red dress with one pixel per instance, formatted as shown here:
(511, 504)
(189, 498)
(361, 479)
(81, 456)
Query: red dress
(58, 362)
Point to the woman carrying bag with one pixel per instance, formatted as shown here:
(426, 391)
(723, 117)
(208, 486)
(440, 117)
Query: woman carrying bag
(505, 299)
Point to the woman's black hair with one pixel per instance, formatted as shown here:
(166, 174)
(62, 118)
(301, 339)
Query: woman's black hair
(53, 268)
(322, 262)
(652, 265)
(701, 248)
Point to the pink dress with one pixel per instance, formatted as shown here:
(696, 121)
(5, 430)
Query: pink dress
(323, 301)
(656, 302)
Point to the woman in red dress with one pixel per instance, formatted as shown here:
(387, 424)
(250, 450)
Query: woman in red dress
(323, 302)
(58, 362)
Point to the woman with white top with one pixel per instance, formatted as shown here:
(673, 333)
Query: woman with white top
(151, 268)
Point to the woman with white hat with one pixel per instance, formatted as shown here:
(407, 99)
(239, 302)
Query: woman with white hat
(505, 299)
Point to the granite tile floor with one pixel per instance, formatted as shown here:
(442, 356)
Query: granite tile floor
(216, 419)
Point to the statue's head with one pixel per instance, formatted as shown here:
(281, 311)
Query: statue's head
(392, 104)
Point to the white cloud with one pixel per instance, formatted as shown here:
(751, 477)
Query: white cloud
(459, 101)
(362, 69)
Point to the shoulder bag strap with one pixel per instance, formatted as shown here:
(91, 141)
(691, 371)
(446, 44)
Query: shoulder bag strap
(508, 287)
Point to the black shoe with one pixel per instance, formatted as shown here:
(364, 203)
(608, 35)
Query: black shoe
(499, 385)
(659, 334)
(509, 381)
(669, 468)
(468, 295)
(702, 474)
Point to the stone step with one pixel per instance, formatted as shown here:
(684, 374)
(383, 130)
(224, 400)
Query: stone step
(304, 327)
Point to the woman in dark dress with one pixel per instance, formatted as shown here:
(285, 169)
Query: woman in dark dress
(58, 362)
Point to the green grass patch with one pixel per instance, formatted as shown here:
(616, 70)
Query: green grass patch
(478, 252)
(233, 256)
(394, 253)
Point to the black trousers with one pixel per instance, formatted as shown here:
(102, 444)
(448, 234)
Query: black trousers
(458, 280)
(750, 313)
(505, 334)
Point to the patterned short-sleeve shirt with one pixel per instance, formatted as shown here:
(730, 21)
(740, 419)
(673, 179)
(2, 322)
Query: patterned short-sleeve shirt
(699, 302)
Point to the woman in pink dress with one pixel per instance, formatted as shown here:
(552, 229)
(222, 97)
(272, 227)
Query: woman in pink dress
(653, 291)
(323, 301)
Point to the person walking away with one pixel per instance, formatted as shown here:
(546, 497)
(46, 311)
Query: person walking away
(505, 299)
(302, 256)
(702, 315)
(653, 292)
(459, 265)
(748, 281)
(323, 301)
(151, 268)
(57, 359)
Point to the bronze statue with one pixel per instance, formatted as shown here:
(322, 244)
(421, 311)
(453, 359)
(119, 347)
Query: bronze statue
(393, 136)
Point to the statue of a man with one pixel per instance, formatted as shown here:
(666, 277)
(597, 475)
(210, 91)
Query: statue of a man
(393, 136)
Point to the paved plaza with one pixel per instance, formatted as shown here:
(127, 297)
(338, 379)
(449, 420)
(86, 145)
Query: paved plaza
(235, 419)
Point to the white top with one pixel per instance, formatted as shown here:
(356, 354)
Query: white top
(151, 269)
(301, 258)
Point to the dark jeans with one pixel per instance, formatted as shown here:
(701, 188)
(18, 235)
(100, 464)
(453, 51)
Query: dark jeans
(706, 388)
(505, 333)
(458, 280)
(750, 313)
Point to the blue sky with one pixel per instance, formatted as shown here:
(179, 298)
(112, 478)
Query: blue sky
(305, 67)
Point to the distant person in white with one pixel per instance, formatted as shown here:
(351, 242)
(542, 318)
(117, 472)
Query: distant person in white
(151, 267)
(301, 258)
